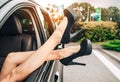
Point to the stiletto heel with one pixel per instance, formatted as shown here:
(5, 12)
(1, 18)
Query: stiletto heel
(86, 49)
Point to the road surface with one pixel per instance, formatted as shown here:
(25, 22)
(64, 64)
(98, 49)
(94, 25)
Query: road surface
(99, 68)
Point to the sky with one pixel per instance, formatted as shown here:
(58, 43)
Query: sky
(95, 3)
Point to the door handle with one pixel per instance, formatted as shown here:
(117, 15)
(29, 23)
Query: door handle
(56, 77)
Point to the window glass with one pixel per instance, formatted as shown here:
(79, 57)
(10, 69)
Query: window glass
(27, 25)
(46, 25)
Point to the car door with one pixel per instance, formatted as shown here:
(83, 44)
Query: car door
(51, 71)
(31, 25)
(55, 72)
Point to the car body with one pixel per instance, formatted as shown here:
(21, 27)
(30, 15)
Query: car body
(41, 26)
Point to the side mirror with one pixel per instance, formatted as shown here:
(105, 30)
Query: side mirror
(77, 35)
(86, 49)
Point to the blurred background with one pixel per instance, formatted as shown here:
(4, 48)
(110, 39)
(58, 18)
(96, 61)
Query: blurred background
(99, 18)
(100, 22)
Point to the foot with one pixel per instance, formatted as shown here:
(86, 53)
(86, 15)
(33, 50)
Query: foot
(86, 49)
(72, 17)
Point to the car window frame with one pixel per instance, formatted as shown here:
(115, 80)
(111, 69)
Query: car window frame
(41, 34)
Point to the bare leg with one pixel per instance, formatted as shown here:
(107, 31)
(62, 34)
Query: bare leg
(17, 58)
(21, 72)
(13, 60)
(63, 53)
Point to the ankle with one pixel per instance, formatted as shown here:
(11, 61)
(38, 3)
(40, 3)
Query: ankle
(59, 31)
(62, 26)
(57, 35)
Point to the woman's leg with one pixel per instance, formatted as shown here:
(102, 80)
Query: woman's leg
(13, 60)
(17, 58)
(62, 53)
(39, 56)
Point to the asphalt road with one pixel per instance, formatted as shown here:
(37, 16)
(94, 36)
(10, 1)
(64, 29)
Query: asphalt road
(99, 68)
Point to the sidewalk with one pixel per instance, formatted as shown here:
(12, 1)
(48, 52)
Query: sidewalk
(114, 54)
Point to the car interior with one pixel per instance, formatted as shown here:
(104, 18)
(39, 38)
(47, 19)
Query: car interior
(17, 34)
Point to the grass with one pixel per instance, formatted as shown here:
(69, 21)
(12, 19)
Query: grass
(112, 45)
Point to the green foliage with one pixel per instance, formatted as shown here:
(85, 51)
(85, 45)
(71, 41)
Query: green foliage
(99, 31)
(114, 13)
(83, 9)
(112, 45)
(111, 13)
(118, 31)
(104, 14)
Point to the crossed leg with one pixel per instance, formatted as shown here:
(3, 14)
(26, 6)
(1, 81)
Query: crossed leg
(19, 70)
(19, 73)
(14, 59)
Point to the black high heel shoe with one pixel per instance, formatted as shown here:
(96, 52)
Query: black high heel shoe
(72, 17)
(86, 49)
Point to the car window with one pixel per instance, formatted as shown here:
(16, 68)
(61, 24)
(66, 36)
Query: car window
(47, 28)
(30, 26)
(27, 25)
(48, 25)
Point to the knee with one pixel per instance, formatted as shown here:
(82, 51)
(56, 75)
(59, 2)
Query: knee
(10, 58)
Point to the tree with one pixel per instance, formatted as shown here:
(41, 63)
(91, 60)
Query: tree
(85, 8)
(114, 14)
(104, 14)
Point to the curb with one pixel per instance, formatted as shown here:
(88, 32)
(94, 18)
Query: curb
(108, 53)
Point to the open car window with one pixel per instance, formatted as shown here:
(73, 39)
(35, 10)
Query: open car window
(48, 24)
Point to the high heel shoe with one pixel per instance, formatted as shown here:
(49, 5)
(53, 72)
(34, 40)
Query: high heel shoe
(72, 17)
(86, 49)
